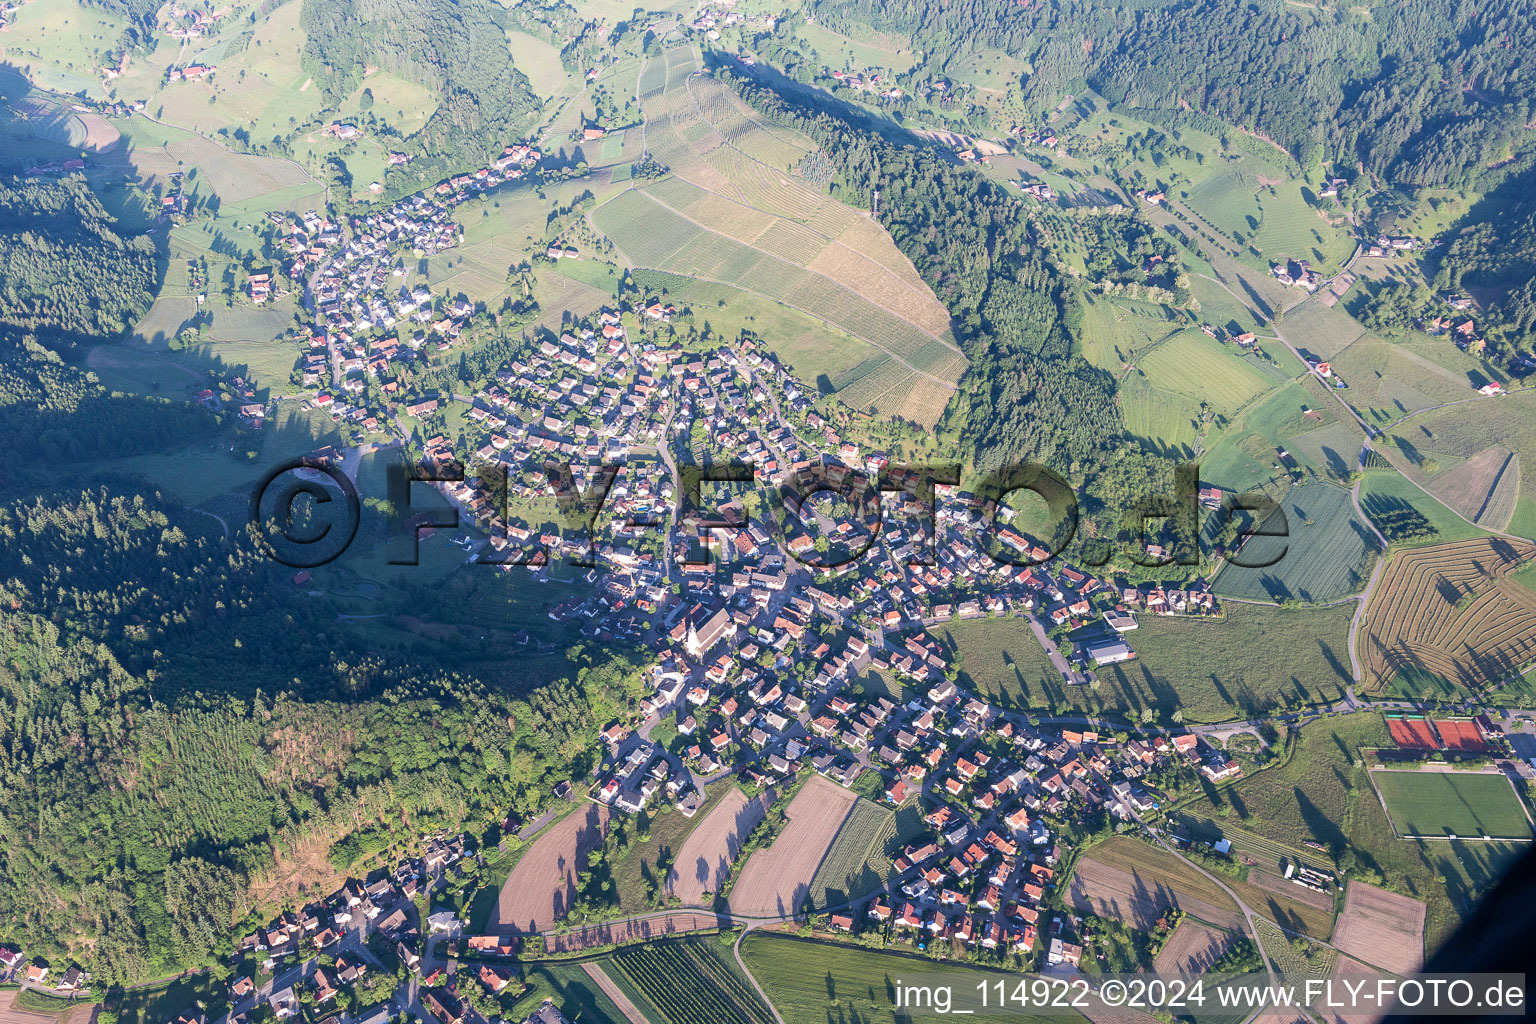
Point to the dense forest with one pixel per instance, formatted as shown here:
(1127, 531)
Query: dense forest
(1496, 251)
(1422, 92)
(118, 809)
(68, 277)
(65, 273)
(143, 818)
(458, 50)
(1028, 395)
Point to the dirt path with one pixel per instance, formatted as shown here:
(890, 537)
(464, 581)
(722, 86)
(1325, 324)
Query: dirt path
(736, 952)
(646, 928)
(602, 981)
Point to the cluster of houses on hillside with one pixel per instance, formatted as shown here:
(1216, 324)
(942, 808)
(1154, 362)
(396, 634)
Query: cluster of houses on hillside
(1387, 246)
(871, 81)
(190, 73)
(184, 23)
(1043, 138)
(70, 980)
(614, 388)
(725, 601)
(711, 18)
(1297, 273)
(762, 646)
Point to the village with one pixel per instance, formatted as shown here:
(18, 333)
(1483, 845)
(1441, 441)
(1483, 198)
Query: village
(760, 638)
(754, 627)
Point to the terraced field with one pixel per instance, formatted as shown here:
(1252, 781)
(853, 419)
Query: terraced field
(643, 229)
(734, 212)
(1451, 612)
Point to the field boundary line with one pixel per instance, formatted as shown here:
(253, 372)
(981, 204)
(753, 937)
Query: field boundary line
(951, 385)
(829, 239)
(774, 256)
(605, 984)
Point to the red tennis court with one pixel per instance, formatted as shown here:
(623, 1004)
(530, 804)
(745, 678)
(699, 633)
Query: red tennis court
(1413, 732)
(1462, 735)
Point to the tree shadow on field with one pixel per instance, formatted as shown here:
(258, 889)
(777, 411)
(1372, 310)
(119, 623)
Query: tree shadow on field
(1322, 827)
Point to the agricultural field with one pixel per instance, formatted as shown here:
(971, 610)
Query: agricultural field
(1170, 423)
(1261, 208)
(709, 852)
(1391, 380)
(1117, 332)
(689, 982)
(1442, 438)
(537, 59)
(162, 1000)
(779, 239)
(871, 50)
(1139, 889)
(1484, 489)
(13, 1011)
(652, 235)
(1320, 331)
(1136, 882)
(1214, 670)
(776, 879)
(538, 893)
(637, 868)
(810, 982)
(1270, 881)
(579, 995)
(1319, 792)
(1441, 803)
(210, 467)
(818, 353)
(1326, 554)
(1347, 965)
(1333, 452)
(1289, 960)
(259, 88)
(1382, 928)
(1001, 658)
(1300, 418)
(859, 860)
(61, 46)
(1192, 949)
(1451, 613)
(646, 232)
(1386, 491)
(1201, 368)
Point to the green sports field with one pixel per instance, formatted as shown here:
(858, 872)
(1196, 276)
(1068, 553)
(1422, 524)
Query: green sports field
(1458, 804)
